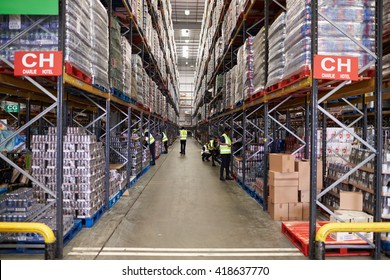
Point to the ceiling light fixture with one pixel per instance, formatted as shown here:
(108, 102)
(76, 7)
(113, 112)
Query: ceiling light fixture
(187, 12)
(185, 32)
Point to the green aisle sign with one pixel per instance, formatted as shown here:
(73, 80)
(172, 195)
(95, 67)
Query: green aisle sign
(12, 108)
(29, 7)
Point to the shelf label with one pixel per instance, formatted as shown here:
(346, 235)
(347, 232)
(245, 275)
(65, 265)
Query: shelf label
(38, 63)
(336, 68)
(29, 7)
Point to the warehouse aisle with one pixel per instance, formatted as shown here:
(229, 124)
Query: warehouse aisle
(180, 205)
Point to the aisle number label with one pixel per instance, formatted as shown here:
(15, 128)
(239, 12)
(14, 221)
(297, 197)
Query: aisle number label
(38, 63)
(336, 68)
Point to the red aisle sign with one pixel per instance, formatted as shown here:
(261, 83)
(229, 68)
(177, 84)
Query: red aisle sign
(38, 63)
(336, 68)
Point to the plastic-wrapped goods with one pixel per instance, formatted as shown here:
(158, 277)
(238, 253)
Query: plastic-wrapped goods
(116, 56)
(357, 18)
(137, 79)
(37, 39)
(78, 34)
(127, 73)
(248, 68)
(100, 45)
(259, 61)
(386, 66)
(386, 18)
(239, 73)
(276, 59)
(84, 169)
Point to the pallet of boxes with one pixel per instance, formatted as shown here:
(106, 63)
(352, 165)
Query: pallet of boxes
(351, 211)
(289, 187)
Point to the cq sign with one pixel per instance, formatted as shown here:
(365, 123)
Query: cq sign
(336, 68)
(38, 63)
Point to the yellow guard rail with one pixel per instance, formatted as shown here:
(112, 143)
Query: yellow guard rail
(38, 228)
(325, 230)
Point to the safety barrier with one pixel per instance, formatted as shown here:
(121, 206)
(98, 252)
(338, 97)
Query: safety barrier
(325, 230)
(38, 228)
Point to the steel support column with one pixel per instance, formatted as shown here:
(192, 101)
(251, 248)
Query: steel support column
(107, 152)
(27, 119)
(365, 119)
(324, 144)
(313, 135)
(378, 123)
(266, 155)
(307, 127)
(129, 152)
(60, 139)
(244, 146)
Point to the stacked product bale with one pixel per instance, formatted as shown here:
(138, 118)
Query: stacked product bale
(117, 182)
(116, 56)
(136, 63)
(259, 61)
(37, 39)
(276, 58)
(127, 73)
(100, 45)
(248, 68)
(239, 73)
(84, 169)
(386, 18)
(229, 88)
(78, 34)
(146, 89)
(297, 43)
(356, 18)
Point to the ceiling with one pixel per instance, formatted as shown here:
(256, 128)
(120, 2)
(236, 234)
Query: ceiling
(193, 23)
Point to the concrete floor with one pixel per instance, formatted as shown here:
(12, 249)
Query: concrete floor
(181, 210)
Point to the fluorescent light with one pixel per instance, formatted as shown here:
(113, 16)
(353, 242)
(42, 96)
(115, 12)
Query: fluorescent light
(192, 66)
(186, 62)
(187, 41)
(187, 12)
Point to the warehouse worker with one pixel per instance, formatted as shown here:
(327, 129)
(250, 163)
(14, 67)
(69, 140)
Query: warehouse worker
(213, 148)
(149, 139)
(183, 140)
(225, 148)
(206, 152)
(165, 142)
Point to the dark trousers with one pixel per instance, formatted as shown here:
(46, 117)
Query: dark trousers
(225, 164)
(183, 146)
(206, 156)
(214, 156)
(166, 146)
(152, 148)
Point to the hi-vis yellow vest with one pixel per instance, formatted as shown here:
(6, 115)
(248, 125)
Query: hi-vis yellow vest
(151, 139)
(225, 149)
(165, 138)
(183, 134)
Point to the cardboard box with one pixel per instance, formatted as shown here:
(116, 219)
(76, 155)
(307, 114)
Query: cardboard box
(283, 194)
(295, 211)
(354, 216)
(305, 211)
(303, 169)
(351, 201)
(342, 236)
(278, 211)
(304, 196)
(304, 175)
(278, 179)
(281, 163)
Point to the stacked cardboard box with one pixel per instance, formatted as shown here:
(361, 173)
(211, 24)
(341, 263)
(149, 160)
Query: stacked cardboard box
(283, 188)
(303, 169)
(350, 211)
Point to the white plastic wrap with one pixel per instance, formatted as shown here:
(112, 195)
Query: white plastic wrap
(127, 73)
(100, 45)
(276, 59)
(78, 34)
